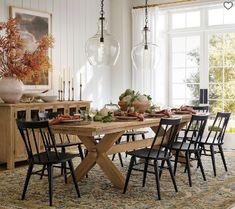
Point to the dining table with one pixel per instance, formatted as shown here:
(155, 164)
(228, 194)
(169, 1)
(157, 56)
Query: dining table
(99, 150)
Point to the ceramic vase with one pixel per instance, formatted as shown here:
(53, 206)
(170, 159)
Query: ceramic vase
(11, 89)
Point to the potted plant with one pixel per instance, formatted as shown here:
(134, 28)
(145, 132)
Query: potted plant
(17, 63)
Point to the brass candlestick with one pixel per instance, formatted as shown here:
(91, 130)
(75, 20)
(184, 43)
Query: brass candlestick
(63, 91)
(80, 92)
(72, 94)
(69, 92)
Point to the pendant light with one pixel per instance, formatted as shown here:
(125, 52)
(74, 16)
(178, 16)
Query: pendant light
(145, 56)
(102, 49)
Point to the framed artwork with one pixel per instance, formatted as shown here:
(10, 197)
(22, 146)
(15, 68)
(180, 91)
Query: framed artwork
(34, 25)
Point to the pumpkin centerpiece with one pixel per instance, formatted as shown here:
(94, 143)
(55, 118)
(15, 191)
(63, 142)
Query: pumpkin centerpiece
(134, 100)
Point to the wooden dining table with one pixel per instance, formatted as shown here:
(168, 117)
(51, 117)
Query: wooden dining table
(98, 151)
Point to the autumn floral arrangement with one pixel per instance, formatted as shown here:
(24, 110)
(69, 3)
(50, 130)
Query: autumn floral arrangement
(18, 62)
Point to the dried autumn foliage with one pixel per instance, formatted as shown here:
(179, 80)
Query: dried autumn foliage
(15, 60)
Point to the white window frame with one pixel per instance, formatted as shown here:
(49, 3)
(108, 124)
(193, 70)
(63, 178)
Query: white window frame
(203, 31)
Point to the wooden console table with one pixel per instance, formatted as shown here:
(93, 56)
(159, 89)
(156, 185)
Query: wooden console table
(12, 148)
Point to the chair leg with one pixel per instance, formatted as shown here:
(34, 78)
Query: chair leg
(43, 171)
(29, 172)
(176, 161)
(80, 151)
(200, 165)
(73, 176)
(127, 140)
(113, 157)
(222, 156)
(145, 172)
(143, 136)
(129, 173)
(50, 181)
(120, 158)
(188, 168)
(172, 174)
(161, 167)
(213, 159)
(63, 167)
(157, 179)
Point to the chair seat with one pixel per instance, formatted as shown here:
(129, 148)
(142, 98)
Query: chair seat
(210, 141)
(143, 153)
(185, 146)
(63, 157)
(130, 133)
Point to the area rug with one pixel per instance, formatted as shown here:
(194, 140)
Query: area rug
(98, 193)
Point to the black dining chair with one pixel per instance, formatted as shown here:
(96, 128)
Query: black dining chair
(215, 139)
(63, 141)
(201, 109)
(189, 144)
(41, 149)
(159, 151)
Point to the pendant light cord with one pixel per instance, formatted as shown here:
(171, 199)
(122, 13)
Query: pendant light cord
(146, 26)
(102, 20)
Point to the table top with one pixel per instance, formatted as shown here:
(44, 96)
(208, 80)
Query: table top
(98, 128)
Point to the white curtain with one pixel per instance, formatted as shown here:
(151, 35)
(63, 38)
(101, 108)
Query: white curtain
(151, 83)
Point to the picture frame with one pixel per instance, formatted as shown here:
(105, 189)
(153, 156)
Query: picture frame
(33, 25)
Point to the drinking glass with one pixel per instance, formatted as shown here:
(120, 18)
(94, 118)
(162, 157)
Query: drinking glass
(92, 113)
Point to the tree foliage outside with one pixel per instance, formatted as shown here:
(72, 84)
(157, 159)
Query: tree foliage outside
(221, 74)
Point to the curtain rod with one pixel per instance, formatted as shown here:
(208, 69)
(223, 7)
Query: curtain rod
(165, 4)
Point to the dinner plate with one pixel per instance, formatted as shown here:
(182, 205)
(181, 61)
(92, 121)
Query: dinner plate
(126, 117)
(70, 121)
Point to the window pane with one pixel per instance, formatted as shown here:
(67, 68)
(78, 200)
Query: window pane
(229, 41)
(229, 16)
(216, 75)
(178, 75)
(216, 42)
(193, 19)
(229, 91)
(192, 75)
(178, 91)
(229, 58)
(178, 44)
(178, 20)
(229, 75)
(192, 102)
(229, 106)
(192, 91)
(215, 16)
(179, 60)
(192, 60)
(216, 58)
(215, 106)
(216, 91)
(193, 44)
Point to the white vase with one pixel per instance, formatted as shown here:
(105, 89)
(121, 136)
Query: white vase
(11, 89)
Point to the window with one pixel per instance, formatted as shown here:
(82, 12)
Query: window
(221, 16)
(202, 55)
(186, 20)
(222, 72)
(185, 69)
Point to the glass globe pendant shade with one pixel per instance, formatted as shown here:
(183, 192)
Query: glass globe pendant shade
(102, 51)
(145, 56)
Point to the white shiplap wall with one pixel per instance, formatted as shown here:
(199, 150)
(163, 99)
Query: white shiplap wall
(73, 22)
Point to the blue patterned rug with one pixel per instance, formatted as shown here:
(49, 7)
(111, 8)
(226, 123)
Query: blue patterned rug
(98, 193)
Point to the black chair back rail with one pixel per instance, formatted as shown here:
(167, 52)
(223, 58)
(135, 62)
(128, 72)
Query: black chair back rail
(160, 149)
(190, 144)
(41, 149)
(218, 128)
